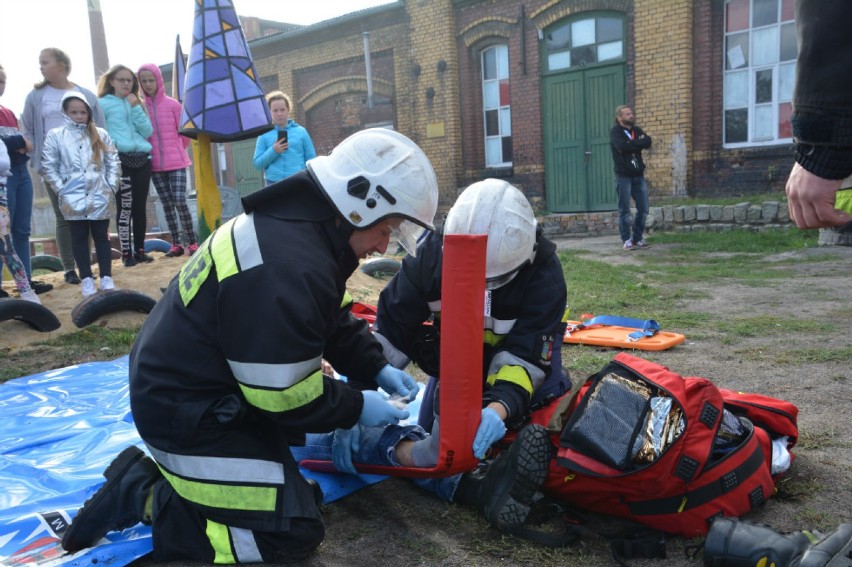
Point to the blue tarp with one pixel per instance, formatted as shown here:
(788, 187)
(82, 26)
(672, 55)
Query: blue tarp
(59, 430)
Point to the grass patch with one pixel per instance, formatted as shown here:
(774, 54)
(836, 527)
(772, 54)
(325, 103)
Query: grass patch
(738, 241)
(86, 345)
(815, 355)
(763, 325)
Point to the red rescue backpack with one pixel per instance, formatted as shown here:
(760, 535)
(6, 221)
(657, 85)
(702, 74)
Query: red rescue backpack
(642, 442)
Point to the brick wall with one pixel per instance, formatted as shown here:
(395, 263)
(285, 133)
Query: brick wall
(662, 53)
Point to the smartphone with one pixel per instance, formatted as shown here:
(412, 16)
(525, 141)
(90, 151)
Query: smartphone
(282, 135)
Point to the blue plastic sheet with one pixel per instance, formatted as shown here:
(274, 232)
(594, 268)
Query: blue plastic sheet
(59, 430)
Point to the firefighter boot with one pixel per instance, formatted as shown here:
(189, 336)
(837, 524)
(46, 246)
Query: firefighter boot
(732, 543)
(505, 490)
(120, 503)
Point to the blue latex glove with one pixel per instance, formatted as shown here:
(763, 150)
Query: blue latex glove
(378, 411)
(394, 381)
(345, 442)
(491, 429)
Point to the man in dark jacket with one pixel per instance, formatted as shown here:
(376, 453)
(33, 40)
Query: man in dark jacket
(226, 372)
(628, 141)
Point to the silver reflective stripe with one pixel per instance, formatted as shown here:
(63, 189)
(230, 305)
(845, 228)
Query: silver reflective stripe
(220, 469)
(245, 547)
(274, 375)
(499, 326)
(435, 306)
(396, 357)
(245, 240)
(504, 358)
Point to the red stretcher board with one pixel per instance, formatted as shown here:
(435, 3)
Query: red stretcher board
(617, 337)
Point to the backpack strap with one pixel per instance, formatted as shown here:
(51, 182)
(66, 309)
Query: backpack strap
(642, 545)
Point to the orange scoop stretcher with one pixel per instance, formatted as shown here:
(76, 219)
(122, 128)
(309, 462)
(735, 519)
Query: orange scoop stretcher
(621, 332)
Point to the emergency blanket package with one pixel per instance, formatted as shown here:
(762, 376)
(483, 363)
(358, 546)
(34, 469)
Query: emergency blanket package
(59, 430)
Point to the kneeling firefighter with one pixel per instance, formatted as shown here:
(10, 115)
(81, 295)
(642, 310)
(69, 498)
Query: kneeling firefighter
(225, 374)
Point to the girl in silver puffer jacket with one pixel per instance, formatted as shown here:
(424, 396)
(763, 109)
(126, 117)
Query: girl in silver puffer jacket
(81, 166)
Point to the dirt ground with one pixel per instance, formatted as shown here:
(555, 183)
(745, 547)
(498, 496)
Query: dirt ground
(393, 523)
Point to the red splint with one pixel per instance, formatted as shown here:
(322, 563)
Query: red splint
(462, 314)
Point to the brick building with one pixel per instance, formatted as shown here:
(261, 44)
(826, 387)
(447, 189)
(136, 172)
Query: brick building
(526, 91)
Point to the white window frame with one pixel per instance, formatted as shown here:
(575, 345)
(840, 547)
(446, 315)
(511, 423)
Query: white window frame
(752, 70)
(504, 112)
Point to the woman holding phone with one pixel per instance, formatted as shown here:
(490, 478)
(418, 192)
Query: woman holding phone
(285, 149)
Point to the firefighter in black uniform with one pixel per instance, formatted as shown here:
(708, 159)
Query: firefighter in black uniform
(522, 363)
(226, 374)
(525, 307)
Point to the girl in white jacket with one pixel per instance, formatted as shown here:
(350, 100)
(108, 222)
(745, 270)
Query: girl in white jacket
(81, 166)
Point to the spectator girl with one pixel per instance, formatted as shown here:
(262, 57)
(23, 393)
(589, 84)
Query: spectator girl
(129, 127)
(81, 166)
(42, 113)
(168, 159)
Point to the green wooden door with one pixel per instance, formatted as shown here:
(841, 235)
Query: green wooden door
(579, 107)
(248, 179)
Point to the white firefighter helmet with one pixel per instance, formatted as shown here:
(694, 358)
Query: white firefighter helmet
(501, 211)
(376, 174)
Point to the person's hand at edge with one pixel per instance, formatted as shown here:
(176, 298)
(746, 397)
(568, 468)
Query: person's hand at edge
(810, 199)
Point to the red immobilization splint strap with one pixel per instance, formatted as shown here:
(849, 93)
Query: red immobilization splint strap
(462, 321)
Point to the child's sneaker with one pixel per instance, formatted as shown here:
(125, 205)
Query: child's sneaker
(175, 251)
(628, 244)
(641, 244)
(107, 283)
(30, 295)
(128, 260)
(192, 248)
(87, 287)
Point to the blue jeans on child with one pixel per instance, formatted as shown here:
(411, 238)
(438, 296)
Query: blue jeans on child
(377, 448)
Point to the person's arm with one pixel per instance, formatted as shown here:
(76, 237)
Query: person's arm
(309, 151)
(51, 161)
(641, 139)
(111, 162)
(264, 153)
(520, 365)
(821, 121)
(141, 122)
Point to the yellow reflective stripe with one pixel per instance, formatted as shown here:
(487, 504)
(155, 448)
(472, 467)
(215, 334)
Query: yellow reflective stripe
(514, 374)
(194, 272)
(347, 300)
(491, 338)
(223, 251)
(227, 497)
(219, 538)
(295, 396)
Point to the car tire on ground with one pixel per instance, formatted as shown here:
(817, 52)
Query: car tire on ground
(105, 302)
(35, 315)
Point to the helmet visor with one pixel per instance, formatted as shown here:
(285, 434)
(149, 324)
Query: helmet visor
(407, 235)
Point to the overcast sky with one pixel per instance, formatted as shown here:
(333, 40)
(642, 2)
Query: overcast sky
(137, 32)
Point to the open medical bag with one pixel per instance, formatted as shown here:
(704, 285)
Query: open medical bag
(642, 442)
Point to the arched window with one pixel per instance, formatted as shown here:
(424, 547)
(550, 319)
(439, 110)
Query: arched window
(760, 69)
(496, 106)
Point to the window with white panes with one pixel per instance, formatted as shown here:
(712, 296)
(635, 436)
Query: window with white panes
(496, 106)
(760, 69)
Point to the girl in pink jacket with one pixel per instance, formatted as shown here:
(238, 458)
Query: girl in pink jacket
(168, 159)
